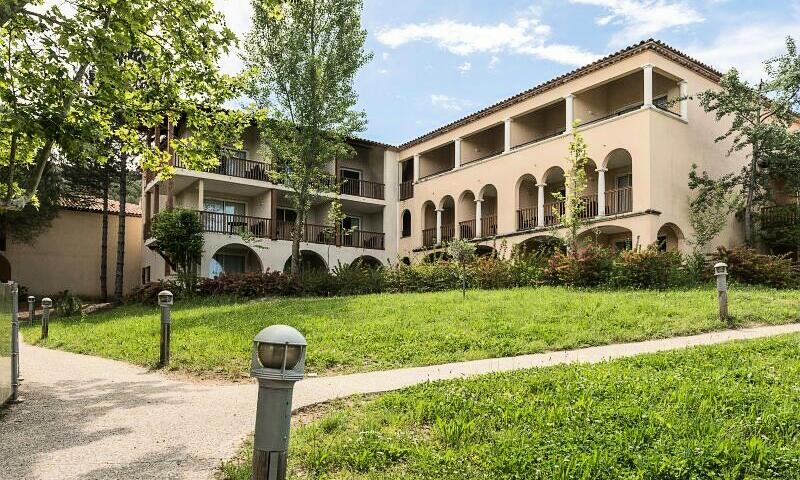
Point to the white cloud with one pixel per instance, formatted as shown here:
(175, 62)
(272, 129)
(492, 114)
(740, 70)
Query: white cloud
(746, 48)
(446, 102)
(640, 19)
(465, 67)
(527, 35)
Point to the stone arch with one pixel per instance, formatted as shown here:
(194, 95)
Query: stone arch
(466, 215)
(670, 238)
(527, 201)
(542, 245)
(485, 251)
(609, 236)
(619, 182)
(448, 207)
(309, 262)
(489, 203)
(436, 257)
(234, 258)
(368, 261)
(428, 215)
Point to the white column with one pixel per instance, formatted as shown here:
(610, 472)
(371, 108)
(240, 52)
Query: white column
(458, 153)
(478, 216)
(507, 136)
(601, 192)
(569, 100)
(416, 167)
(540, 205)
(684, 87)
(201, 192)
(439, 226)
(648, 85)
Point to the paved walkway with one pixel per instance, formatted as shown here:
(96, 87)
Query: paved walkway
(90, 418)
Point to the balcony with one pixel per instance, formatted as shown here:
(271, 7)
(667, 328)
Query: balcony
(779, 216)
(438, 160)
(538, 125)
(362, 188)
(482, 145)
(215, 222)
(406, 190)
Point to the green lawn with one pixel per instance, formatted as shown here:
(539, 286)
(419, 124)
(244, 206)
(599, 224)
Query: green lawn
(376, 332)
(723, 412)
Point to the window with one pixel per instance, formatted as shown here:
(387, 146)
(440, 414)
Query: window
(351, 223)
(145, 275)
(351, 181)
(285, 215)
(406, 231)
(227, 207)
(226, 263)
(624, 181)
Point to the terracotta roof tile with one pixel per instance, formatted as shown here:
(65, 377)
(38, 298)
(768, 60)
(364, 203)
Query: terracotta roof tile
(96, 206)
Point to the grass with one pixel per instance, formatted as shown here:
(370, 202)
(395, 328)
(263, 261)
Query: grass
(724, 412)
(378, 332)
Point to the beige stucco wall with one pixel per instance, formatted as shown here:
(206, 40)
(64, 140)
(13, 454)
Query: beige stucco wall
(67, 256)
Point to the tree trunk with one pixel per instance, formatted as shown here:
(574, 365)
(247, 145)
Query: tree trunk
(104, 237)
(299, 230)
(123, 192)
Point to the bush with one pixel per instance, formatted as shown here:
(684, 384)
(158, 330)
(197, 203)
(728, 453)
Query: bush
(67, 304)
(589, 266)
(747, 266)
(250, 285)
(649, 268)
(148, 293)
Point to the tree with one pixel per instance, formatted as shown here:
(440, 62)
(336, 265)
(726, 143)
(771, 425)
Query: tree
(71, 79)
(304, 55)
(575, 183)
(710, 210)
(760, 116)
(462, 252)
(179, 235)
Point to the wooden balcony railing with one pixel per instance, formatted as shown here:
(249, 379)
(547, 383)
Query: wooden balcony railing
(429, 237)
(448, 233)
(619, 200)
(237, 167)
(214, 222)
(526, 218)
(362, 188)
(489, 226)
(590, 206)
(330, 235)
(406, 190)
(778, 216)
(466, 229)
(552, 210)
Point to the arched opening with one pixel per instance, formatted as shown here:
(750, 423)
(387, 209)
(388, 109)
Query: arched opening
(367, 261)
(309, 262)
(619, 182)
(466, 216)
(428, 224)
(608, 236)
(590, 194)
(669, 238)
(527, 202)
(485, 251)
(488, 198)
(545, 245)
(436, 257)
(448, 208)
(5, 269)
(405, 230)
(554, 180)
(234, 259)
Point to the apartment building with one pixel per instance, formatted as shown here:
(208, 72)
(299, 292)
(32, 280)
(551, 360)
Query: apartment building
(489, 177)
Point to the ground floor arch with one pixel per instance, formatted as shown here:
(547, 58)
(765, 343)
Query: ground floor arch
(309, 262)
(609, 236)
(232, 259)
(670, 238)
(367, 261)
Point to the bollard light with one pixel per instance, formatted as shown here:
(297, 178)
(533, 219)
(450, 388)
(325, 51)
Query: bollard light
(278, 361)
(721, 272)
(165, 299)
(47, 304)
(31, 309)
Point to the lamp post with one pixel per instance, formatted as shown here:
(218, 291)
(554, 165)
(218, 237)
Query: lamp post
(31, 309)
(278, 361)
(47, 304)
(165, 300)
(721, 272)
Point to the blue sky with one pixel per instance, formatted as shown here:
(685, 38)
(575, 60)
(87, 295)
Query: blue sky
(438, 60)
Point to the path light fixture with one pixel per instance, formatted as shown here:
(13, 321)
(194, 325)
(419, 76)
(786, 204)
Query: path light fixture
(721, 272)
(278, 361)
(47, 304)
(165, 300)
(31, 309)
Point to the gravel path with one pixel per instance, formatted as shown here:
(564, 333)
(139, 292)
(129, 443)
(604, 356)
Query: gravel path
(85, 417)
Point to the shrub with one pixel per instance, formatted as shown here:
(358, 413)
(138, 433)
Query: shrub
(649, 268)
(250, 285)
(745, 265)
(67, 304)
(588, 266)
(148, 293)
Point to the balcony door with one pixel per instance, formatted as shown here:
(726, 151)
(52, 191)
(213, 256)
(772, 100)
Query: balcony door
(225, 216)
(228, 207)
(350, 226)
(351, 181)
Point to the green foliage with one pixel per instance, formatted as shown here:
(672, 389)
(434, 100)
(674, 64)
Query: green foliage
(589, 266)
(747, 266)
(147, 294)
(66, 304)
(651, 268)
(73, 78)
(303, 56)
(179, 236)
(461, 252)
(710, 210)
(212, 337)
(575, 183)
(720, 412)
(760, 118)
